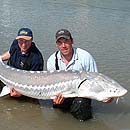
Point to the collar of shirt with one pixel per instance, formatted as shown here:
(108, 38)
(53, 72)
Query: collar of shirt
(23, 55)
(74, 58)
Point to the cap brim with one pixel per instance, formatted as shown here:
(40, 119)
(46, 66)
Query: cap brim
(63, 36)
(24, 37)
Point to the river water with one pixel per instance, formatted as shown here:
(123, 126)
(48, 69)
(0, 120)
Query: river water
(102, 27)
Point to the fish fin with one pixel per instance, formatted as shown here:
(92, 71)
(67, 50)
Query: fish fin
(117, 100)
(5, 91)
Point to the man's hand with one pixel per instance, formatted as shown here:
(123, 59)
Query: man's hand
(108, 100)
(5, 56)
(58, 99)
(14, 93)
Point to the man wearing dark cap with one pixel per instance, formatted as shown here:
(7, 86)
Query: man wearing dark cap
(71, 58)
(23, 54)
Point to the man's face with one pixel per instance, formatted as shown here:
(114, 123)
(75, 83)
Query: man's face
(64, 45)
(24, 45)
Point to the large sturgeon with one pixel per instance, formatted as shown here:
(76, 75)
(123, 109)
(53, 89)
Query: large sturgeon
(45, 85)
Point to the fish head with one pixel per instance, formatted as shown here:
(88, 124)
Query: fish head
(100, 90)
(85, 90)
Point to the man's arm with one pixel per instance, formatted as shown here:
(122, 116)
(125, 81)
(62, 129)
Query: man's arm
(5, 56)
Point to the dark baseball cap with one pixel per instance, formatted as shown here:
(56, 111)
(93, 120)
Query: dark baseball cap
(63, 33)
(25, 33)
